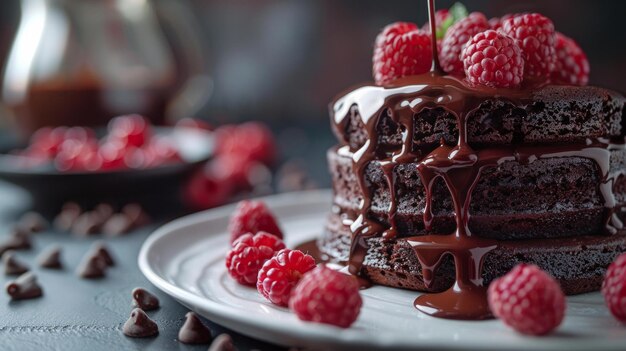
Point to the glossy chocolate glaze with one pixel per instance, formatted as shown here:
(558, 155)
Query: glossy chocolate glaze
(458, 165)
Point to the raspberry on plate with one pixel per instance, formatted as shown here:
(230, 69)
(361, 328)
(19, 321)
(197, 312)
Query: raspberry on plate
(401, 50)
(455, 39)
(535, 36)
(281, 273)
(327, 296)
(248, 255)
(614, 288)
(493, 59)
(572, 66)
(252, 216)
(528, 300)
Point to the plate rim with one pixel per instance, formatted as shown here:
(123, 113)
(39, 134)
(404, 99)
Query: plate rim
(326, 336)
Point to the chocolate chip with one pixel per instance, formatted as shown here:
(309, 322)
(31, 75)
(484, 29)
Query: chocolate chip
(117, 224)
(193, 331)
(105, 211)
(138, 217)
(99, 248)
(92, 266)
(139, 325)
(24, 287)
(33, 222)
(66, 218)
(13, 266)
(145, 300)
(87, 223)
(50, 257)
(222, 343)
(17, 240)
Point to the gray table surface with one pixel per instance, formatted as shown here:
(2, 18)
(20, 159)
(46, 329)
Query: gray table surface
(80, 314)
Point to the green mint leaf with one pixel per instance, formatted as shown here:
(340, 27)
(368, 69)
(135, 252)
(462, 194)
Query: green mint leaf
(455, 14)
(458, 12)
(447, 23)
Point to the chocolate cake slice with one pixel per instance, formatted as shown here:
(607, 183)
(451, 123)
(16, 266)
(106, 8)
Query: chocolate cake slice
(445, 180)
(542, 171)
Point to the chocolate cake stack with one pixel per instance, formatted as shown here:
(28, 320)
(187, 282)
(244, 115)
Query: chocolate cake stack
(544, 183)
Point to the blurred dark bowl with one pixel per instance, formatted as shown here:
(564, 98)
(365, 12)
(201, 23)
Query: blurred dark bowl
(157, 189)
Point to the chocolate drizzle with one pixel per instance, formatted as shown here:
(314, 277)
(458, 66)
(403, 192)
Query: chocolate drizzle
(458, 165)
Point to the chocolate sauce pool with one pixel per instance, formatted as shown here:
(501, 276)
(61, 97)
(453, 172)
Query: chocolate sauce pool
(459, 166)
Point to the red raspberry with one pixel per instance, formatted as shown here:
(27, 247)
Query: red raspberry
(251, 141)
(493, 59)
(252, 217)
(206, 190)
(572, 66)
(401, 50)
(248, 255)
(535, 35)
(164, 150)
(112, 153)
(327, 296)
(48, 140)
(281, 273)
(455, 39)
(132, 130)
(527, 299)
(496, 22)
(77, 155)
(614, 288)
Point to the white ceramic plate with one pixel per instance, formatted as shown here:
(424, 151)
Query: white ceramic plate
(185, 259)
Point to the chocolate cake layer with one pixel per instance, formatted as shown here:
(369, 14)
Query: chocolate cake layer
(553, 114)
(546, 198)
(577, 263)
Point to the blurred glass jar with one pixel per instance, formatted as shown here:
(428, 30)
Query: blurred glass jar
(83, 62)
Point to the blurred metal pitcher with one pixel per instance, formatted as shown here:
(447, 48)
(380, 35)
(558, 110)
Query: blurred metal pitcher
(83, 62)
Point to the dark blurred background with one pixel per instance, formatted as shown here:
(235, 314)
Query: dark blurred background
(283, 61)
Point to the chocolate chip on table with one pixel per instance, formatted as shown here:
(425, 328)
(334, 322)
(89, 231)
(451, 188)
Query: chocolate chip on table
(139, 325)
(145, 300)
(194, 331)
(117, 224)
(92, 266)
(24, 287)
(66, 218)
(99, 248)
(13, 266)
(222, 343)
(33, 222)
(105, 211)
(50, 257)
(138, 217)
(17, 240)
(87, 223)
